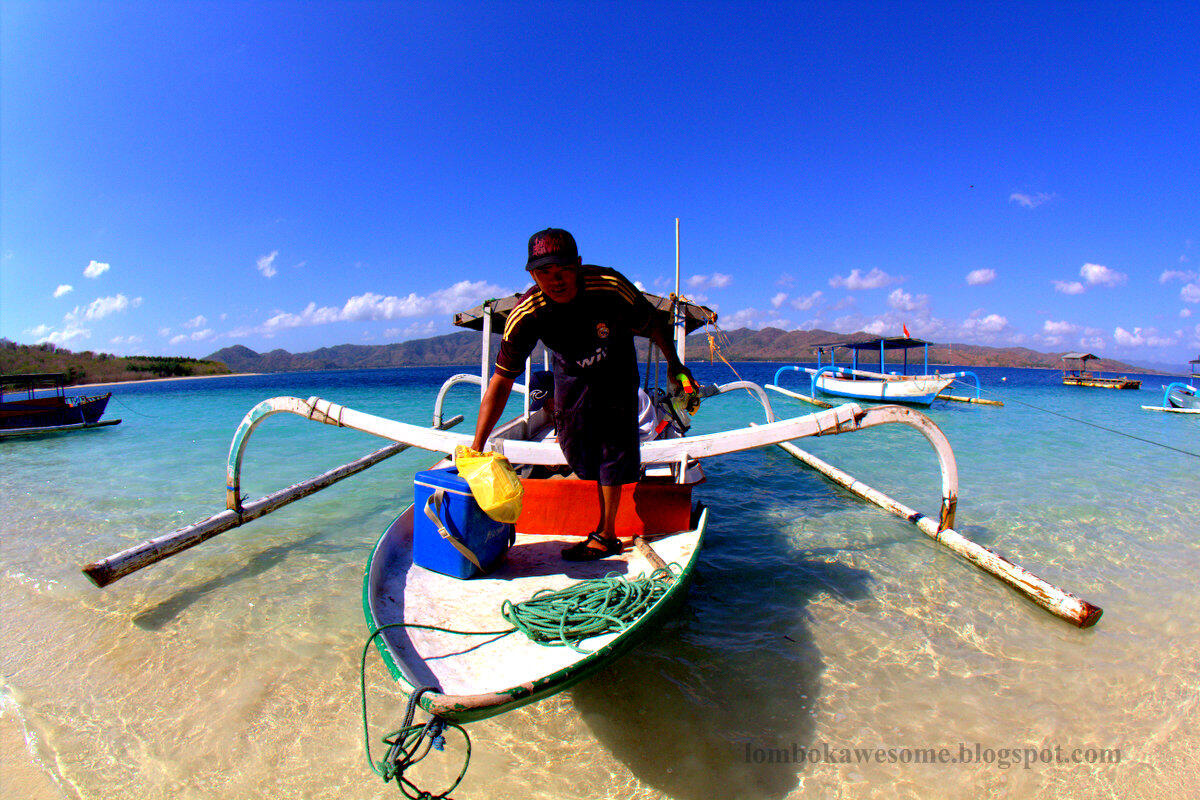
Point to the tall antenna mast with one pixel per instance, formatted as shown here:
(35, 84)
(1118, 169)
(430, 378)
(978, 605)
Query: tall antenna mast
(680, 328)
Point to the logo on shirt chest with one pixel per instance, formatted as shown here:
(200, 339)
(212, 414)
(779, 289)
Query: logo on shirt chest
(601, 330)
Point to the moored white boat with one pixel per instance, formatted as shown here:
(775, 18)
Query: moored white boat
(878, 387)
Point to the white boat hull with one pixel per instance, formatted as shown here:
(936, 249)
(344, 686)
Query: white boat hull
(474, 677)
(915, 389)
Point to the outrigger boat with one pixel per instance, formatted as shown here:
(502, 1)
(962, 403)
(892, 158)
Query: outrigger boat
(53, 413)
(416, 616)
(1179, 397)
(881, 387)
(1080, 376)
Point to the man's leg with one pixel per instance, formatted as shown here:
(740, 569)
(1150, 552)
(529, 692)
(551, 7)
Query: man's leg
(600, 543)
(610, 500)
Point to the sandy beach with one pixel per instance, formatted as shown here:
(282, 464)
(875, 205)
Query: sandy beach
(162, 380)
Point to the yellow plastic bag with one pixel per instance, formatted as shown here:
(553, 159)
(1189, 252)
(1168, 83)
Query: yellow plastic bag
(493, 481)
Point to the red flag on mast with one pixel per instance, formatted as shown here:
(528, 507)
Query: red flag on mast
(906, 333)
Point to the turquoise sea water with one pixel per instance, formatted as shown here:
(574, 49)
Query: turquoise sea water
(817, 625)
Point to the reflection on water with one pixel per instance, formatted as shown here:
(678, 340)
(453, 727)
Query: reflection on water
(814, 623)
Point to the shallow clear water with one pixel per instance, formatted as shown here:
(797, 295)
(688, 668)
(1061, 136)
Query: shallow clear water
(816, 625)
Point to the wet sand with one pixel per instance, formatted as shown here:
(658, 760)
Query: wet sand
(162, 380)
(20, 777)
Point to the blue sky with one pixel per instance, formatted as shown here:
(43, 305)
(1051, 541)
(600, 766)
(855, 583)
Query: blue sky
(179, 177)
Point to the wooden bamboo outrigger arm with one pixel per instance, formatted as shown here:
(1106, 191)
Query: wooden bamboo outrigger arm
(1062, 604)
(118, 565)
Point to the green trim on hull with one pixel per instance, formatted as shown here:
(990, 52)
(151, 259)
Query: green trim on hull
(517, 696)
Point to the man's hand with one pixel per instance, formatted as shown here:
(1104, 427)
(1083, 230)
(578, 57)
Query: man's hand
(687, 384)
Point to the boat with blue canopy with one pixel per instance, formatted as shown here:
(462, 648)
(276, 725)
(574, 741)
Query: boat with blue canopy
(880, 386)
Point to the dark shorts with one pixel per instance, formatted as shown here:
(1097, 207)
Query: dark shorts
(597, 431)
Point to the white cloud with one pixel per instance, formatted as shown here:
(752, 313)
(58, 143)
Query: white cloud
(1141, 337)
(785, 280)
(641, 287)
(164, 332)
(196, 322)
(266, 265)
(125, 340)
(195, 336)
(103, 307)
(421, 329)
(778, 299)
(1092, 343)
(715, 281)
(1058, 328)
(874, 279)
(903, 301)
(63, 288)
(979, 277)
(1068, 287)
(1185, 312)
(1178, 275)
(1190, 293)
(70, 331)
(805, 303)
(370, 306)
(95, 269)
(1096, 274)
(877, 327)
(991, 324)
(1030, 200)
(754, 319)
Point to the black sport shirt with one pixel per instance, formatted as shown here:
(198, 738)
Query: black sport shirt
(592, 334)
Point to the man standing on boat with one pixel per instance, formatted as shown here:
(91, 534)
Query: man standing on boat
(587, 316)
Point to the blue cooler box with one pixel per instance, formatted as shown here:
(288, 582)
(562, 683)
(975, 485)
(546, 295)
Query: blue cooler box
(462, 518)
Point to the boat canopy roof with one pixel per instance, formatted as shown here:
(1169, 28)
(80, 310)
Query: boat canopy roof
(892, 343)
(1080, 356)
(694, 316)
(34, 380)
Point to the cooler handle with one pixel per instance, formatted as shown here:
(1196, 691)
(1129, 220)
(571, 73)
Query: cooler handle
(435, 499)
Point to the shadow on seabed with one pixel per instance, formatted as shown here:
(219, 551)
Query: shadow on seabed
(734, 674)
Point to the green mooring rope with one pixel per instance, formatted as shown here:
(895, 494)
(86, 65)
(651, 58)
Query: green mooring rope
(566, 617)
(562, 618)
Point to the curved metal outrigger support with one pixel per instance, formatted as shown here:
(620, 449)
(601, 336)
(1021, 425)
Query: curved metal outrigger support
(782, 370)
(1184, 387)
(754, 389)
(454, 380)
(290, 405)
(816, 376)
(884, 415)
(957, 375)
(1053, 599)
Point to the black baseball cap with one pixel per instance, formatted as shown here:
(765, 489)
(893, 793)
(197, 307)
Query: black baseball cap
(552, 246)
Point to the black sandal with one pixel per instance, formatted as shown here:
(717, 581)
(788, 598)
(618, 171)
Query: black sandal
(581, 552)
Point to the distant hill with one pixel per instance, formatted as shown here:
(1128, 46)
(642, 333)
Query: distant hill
(744, 344)
(452, 348)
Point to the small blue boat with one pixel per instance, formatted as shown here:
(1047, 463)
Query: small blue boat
(1181, 397)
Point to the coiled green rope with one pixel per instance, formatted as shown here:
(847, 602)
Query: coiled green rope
(566, 617)
(562, 618)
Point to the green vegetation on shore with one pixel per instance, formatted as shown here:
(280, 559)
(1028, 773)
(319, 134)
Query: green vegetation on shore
(89, 367)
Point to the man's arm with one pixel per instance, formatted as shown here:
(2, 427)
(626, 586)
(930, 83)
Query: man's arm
(490, 408)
